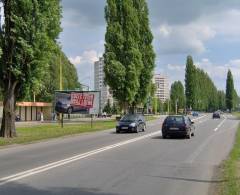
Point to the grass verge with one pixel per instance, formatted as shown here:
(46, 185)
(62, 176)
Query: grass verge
(231, 169)
(43, 132)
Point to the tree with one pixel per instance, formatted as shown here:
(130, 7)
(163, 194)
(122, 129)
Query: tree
(221, 100)
(51, 79)
(236, 100)
(229, 91)
(147, 51)
(27, 39)
(115, 108)
(177, 95)
(107, 107)
(128, 51)
(201, 93)
(190, 83)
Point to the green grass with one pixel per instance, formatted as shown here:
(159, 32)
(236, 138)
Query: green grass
(43, 131)
(231, 169)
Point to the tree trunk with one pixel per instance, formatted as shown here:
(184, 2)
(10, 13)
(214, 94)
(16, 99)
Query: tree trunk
(8, 121)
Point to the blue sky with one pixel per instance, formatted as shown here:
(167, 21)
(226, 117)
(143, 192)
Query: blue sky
(209, 30)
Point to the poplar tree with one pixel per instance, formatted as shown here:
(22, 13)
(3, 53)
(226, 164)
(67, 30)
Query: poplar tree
(190, 83)
(146, 49)
(229, 91)
(128, 51)
(29, 34)
(177, 95)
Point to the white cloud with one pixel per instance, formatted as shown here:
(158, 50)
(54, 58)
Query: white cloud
(85, 66)
(183, 39)
(192, 37)
(176, 67)
(76, 60)
(87, 57)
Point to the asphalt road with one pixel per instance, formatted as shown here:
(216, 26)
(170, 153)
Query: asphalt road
(105, 163)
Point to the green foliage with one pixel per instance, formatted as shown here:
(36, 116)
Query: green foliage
(236, 100)
(160, 106)
(177, 95)
(108, 108)
(147, 51)
(115, 108)
(221, 100)
(201, 93)
(229, 91)
(129, 56)
(33, 61)
(28, 37)
(190, 83)
(51, 80)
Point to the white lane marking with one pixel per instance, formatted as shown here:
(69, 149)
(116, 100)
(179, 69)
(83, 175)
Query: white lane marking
(196, 119)
(56, 164)
(216, 129)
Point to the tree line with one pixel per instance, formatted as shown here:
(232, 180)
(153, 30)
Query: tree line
(201, 93)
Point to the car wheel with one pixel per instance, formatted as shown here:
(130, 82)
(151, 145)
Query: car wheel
(144, 128)
(136, 130)
(117, 131)
(189, 135)
(164, 136)
(69, 111)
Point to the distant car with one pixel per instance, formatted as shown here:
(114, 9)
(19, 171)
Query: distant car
(178, 125)
(131, 123)
(216, 115)
(195, 114)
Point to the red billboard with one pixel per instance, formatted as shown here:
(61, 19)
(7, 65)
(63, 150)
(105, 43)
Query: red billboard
(84, 100)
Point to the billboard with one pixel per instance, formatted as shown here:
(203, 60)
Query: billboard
(83, 102)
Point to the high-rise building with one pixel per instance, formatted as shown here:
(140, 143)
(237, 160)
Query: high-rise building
(162, 87)
(99, 75)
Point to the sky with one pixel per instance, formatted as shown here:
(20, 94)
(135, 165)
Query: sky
(209, 30)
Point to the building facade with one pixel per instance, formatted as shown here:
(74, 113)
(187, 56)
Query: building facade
(99, 76)
(162, 87)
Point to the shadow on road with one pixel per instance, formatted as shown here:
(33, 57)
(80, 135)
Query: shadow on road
(169, 138)
(16, 189)
(195, 180)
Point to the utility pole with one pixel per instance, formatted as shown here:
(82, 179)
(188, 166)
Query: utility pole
(60, 72)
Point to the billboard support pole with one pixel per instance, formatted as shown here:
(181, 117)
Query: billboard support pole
(91, 121)
(62, 120)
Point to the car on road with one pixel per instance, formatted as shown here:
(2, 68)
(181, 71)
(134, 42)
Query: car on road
(179, 125)
(195, 114)
(131, 123)
(216, 115)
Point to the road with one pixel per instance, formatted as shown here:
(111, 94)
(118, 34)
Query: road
(105, 163)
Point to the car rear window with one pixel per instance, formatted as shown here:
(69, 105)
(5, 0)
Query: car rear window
(175, 119)
(129, 117)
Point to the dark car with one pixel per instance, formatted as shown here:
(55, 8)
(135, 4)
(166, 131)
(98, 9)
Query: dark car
(178, 125)
(216, 115)
(131, 123)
